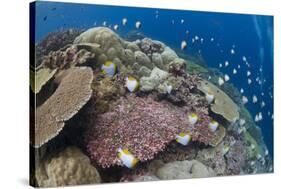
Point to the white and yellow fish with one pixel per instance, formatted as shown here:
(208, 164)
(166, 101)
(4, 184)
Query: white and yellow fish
(127, 158)
(242, 122)
(124, 21)
(242, 130)
(255, 99)
(109, 68)
(213, 125)
(232, 51)
(115, 27)
(210, 98)
(168, 88)
(132, 84)
(225, 149)
(262, 104)
(244, 100)
(183, 138)
(249, 81)
(183, 45)
(220, 81)
(226, 77)
(138, 24)
(253, 146)
(234, 71)
(193, 118)
(266, 152)
(226, 63)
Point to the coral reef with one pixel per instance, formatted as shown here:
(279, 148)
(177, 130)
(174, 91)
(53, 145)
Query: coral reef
(222, 101)
(40, 78)
(149, 46)
(184, 170)
(144, 123)
(53, 42)
(214, 158)
(73, 91)
(125, 127)
(69, 167)
(156, 77)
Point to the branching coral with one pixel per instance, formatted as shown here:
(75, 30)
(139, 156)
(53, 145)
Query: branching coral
(149, 46)
(235, 158)
(67, 57)
(142, 125)
(73, 92)
(53, 42)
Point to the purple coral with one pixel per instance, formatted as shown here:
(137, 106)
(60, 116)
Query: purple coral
(142, 125)
(235, 158)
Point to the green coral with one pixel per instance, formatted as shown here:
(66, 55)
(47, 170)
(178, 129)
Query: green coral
(195, 68)
(252, 153)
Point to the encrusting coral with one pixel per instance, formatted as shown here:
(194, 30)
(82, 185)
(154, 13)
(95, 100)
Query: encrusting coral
(69, 167)
(125, 127)
(73, 91)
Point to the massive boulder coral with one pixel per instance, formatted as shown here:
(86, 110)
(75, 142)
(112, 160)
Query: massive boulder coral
(157, 76)
(73, 91)
(69, 167)
(222, 101)
(125, 127)
(184, 170)
(110, 44)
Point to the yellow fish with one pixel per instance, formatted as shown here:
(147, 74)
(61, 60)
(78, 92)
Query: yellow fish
(213, 125)
(109, 68)
(193, 118)
(127, 158)
(132, 84)
(210, 98)
(183, 138)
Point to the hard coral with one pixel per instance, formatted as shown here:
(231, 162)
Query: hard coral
(222, 101)
(73, 92)
(142, 125)
(53, 42)
(40, 78)
(69, 167)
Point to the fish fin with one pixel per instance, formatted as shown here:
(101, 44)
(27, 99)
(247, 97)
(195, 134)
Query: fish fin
(126, 151)
(134, 162)
(119, 155)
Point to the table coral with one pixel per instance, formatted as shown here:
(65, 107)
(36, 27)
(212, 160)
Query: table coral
(40, 78)
(222, 101)
(73, 92)
(142, 125)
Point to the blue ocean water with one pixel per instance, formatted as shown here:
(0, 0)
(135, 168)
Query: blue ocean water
(249, 36)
